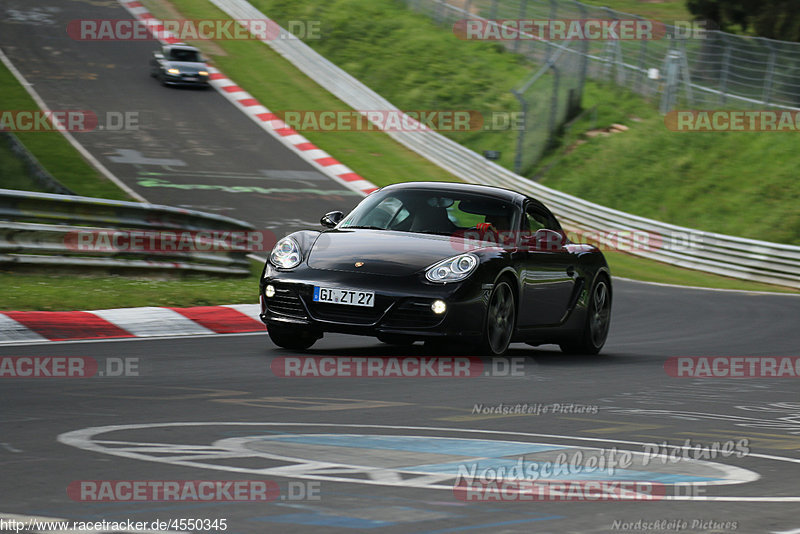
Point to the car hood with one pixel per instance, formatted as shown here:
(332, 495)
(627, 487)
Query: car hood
(382, 252)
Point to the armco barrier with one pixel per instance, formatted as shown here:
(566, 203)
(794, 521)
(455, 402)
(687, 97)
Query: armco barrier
(40, 229)
(736, 257)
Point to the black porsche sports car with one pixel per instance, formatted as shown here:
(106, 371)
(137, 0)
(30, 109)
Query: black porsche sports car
(439, 262)
(179, 64)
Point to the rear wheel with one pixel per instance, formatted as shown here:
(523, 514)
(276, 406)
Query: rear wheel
(598, 319)
(500, 320)
(291, 337)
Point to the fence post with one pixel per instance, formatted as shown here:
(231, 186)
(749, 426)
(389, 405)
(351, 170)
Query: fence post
(493, 10)
(614, 50)
(551, 127)
(521, 136)
(523, 7)
(672, 69)
(640, 67)
(766, 96)
(552, 15)
(583, 52)
(438, 11)
(723, 75)
(685, 74)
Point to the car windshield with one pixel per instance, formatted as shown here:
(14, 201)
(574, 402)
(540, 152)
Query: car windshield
(430, 211)
(189, 56)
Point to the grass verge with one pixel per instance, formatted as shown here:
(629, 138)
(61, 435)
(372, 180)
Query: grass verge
(53, 151)
(40, 292)
(737, 183)
(49, 292)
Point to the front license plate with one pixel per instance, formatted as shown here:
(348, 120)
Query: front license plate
(350, 297)
(191, 79)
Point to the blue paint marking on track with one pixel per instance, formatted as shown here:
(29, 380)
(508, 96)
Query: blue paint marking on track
(486, 454)
(450, 446)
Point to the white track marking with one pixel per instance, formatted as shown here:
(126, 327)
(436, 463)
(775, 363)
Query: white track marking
(82, 439)
(152, 321)
(12, 331)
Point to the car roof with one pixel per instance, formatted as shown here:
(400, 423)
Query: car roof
(498, 192)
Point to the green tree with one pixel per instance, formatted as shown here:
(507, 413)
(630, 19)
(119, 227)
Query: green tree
(775, 19)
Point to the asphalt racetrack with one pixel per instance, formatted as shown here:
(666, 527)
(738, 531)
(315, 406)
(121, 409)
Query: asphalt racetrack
(356, 454)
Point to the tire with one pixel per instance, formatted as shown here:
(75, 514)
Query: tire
(598, 319)
(291, 337)
(501, 318)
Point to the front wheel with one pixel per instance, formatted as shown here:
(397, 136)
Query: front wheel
(500, 320)
(598, 319)
(291, 337)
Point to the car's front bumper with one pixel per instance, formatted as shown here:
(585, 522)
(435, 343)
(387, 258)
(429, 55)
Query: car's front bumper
(185, 80)
(402, 304)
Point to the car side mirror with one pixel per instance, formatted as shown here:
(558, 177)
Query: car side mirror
(329, 220)
(544, 240)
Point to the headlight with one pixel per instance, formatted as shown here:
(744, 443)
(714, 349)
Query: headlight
(174, 71)
(203, 73)
(452, 269)
(286, 254)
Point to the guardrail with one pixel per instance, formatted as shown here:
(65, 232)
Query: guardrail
(746, 259)
(61, 231)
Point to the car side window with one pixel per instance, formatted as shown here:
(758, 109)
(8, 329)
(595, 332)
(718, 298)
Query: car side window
(531, 223)
(536, 220)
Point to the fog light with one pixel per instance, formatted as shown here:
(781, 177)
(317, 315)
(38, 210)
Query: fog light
(439, 307)
(269, 291)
